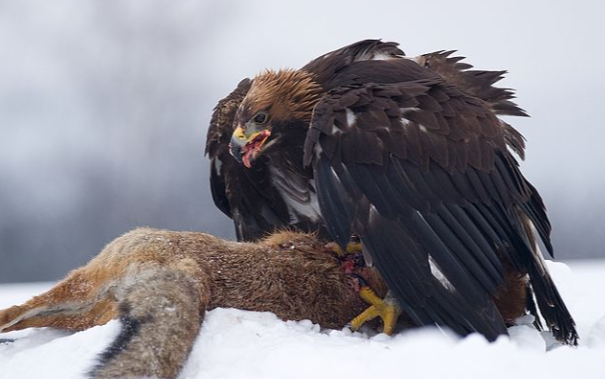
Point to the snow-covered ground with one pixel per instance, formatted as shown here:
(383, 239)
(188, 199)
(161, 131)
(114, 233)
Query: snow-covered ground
(238, 344)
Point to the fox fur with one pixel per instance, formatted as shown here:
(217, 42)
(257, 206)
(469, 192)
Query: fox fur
(160, 284)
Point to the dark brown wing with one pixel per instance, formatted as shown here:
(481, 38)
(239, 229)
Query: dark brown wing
(480, 84)
(328, 65)
(420, 171)
(477, 83)
(217, 143)
(244, 195)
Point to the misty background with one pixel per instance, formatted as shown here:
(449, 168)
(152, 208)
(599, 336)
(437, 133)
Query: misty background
(104, 106)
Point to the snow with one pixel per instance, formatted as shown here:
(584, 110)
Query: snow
(239, 344)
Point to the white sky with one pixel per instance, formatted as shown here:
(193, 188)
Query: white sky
(80, 80)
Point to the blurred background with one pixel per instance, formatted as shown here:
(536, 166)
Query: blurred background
(104, 106)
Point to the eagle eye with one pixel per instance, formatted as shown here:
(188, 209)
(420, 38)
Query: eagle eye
(260, 118)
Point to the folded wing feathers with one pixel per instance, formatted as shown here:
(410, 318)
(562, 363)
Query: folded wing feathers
(443, 191)
(478, 83)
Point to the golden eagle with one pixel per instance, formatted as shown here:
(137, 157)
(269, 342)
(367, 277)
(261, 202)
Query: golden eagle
(409, 155)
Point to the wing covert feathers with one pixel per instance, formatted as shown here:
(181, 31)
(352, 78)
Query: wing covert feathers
(421, 172)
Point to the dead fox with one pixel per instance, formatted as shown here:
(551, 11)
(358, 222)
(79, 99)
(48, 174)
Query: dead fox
(160, 283)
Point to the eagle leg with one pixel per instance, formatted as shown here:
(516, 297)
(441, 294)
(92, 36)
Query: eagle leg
(353, 264)
(352, 248)
(387, 309)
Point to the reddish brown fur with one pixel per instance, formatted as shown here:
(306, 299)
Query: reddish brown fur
(162, 283)
(165, 281)
(293, 275)
(511, 298)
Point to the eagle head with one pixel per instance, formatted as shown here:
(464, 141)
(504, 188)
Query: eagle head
(277, 103)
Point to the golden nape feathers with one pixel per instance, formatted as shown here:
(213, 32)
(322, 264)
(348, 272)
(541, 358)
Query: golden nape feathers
(284, 94)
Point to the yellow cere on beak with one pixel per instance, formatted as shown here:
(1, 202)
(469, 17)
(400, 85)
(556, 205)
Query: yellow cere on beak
(239, 134)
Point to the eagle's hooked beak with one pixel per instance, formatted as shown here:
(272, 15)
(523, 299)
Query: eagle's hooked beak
(246, 143)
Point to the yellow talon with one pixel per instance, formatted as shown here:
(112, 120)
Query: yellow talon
(388, 311)
(352, 247)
